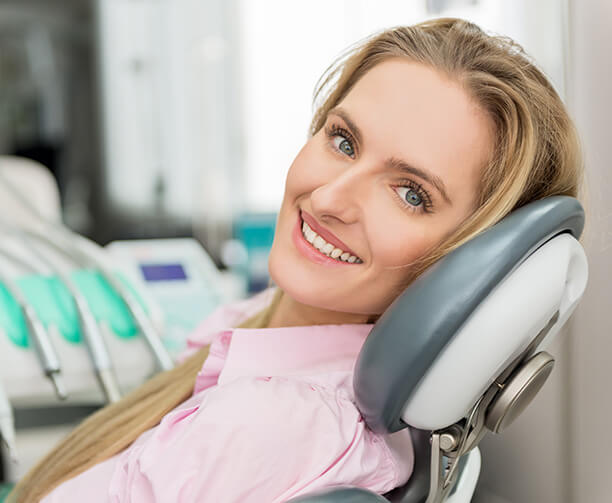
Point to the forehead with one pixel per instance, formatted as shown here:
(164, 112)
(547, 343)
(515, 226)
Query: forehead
(408, 110)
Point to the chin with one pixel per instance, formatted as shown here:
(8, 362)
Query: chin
(293, 279)
(298, 284)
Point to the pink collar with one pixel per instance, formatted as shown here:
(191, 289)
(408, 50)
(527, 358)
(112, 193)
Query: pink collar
(242, 352)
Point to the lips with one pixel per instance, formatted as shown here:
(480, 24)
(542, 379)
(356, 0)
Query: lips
(324, 233)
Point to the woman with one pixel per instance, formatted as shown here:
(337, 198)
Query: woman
(424, 136)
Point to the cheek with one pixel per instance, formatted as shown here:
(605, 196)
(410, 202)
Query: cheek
(396, 243)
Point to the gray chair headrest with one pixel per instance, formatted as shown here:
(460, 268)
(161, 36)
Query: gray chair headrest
(407, 338)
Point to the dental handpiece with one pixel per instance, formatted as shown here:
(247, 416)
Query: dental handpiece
(142, 319)
(95, 344)
(7, 424)
(44, 350)
(92, 336)
(43, 347)
(84, 248)
(81, 246)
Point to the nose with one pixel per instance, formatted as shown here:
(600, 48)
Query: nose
(339, 197)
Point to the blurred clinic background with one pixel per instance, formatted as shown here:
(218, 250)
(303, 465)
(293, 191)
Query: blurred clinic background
(161, 119)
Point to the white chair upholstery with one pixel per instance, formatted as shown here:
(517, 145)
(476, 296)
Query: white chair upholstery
(33, 179)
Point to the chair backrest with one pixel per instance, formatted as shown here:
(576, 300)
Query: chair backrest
(34, 179)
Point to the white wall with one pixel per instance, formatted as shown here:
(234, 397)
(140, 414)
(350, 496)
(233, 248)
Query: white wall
(590, 91)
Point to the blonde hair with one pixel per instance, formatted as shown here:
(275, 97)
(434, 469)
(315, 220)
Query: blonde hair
(537, 155)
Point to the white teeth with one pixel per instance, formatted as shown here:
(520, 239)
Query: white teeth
(336, 252)
(318, 242)
(308, 233)
(327, 248)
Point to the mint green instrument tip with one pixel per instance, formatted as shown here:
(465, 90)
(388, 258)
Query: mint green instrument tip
(11, 319)
(55, 307)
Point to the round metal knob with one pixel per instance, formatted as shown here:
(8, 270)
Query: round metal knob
(449, 439)
(518, 391)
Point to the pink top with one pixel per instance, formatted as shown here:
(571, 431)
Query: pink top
(272, 417)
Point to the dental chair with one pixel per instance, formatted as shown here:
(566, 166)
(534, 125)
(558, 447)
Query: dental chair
(461, 351)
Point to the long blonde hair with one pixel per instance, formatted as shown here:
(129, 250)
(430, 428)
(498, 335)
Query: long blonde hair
(537, 155)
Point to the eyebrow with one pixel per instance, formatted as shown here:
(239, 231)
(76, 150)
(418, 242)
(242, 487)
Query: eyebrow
(394, 163)
(340, 112)
(403, 166)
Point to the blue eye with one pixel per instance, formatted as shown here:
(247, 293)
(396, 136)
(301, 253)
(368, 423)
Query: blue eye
(342, 140)
(344, 145)
(410, 195)
(413, 198)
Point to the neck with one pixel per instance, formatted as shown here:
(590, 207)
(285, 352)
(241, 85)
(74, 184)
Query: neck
(291, 313)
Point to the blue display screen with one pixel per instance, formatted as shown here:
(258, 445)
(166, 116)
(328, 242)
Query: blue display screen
(163, 272)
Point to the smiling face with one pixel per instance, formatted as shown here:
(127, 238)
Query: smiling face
(393, 171)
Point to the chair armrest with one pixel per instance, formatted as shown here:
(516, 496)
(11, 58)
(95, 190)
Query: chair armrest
(414, 491)
(341, 495)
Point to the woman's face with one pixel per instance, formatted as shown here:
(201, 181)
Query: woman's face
(394, 170)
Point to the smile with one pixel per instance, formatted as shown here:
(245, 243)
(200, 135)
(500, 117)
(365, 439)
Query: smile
(326, 248)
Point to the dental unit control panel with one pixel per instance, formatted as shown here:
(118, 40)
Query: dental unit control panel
(179, 277)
